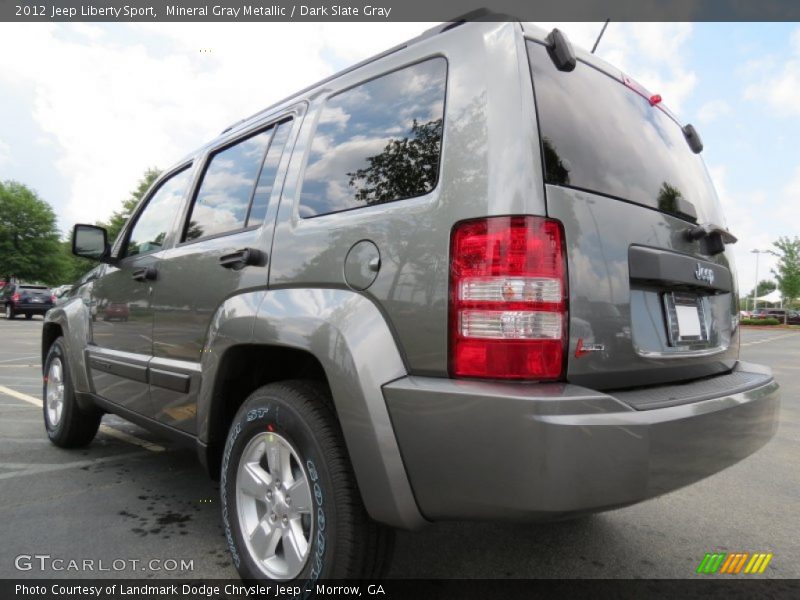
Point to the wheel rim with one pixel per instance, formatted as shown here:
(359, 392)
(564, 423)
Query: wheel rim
(54, 391)
(273, 500)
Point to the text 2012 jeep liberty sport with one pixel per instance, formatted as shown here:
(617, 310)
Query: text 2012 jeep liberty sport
(480, 276)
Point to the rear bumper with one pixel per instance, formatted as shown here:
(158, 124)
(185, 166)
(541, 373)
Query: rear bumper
(477, 450)
(32, 308)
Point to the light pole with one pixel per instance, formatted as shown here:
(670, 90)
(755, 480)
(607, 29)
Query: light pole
(755, 289)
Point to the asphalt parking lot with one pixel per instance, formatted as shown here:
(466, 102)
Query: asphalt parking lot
(131, 496)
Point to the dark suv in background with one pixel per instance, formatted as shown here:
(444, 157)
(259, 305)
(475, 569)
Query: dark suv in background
(479, 276)
(26, 299)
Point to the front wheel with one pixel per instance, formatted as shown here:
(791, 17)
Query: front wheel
(290, 504)
(66, 423)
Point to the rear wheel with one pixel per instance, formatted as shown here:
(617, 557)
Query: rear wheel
(66, 423)
(10, 314)
(29, 316)
(290, 504)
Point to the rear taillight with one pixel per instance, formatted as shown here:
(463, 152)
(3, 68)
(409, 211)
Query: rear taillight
(508, 311)
(53, 298)
(15, 297)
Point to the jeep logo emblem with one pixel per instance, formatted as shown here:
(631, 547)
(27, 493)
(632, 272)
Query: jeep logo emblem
(704, 274)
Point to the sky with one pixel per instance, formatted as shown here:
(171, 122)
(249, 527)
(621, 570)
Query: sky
(86, 108)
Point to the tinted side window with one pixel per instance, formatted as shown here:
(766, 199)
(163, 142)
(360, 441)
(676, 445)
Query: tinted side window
(154, 221)
(377, 142)
(223, 199)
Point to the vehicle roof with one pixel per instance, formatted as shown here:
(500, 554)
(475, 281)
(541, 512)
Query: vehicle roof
(529, 30)
(245, 123)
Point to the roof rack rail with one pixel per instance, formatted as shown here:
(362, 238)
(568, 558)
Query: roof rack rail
(480, 14)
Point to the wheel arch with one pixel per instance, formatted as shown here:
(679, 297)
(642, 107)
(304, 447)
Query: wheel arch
(71, 321)
(336, 336)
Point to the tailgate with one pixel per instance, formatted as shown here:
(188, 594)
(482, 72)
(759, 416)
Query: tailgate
(620, 334)
(34, 295)
(647, 304)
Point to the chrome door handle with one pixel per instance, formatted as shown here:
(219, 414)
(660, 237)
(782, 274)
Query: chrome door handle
(145, 274)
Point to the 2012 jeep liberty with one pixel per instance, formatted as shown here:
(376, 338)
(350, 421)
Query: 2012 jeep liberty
(479, 276)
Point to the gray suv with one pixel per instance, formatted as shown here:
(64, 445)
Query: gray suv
(482, 275)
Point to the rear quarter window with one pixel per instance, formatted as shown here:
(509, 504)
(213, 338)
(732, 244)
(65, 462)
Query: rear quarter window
(377, 142)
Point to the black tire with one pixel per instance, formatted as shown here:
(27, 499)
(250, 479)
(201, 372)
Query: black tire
(75, 427)
(345, 542)
(10, 314)
(29, 316)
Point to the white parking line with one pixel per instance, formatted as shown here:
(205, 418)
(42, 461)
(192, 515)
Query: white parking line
(34, 469)
(110, 431)
(131, 439)
(769, 339)
(19, 358)
(20, 396)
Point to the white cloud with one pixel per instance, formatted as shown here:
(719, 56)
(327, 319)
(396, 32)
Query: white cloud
(787, 207)
(5, 153)
(712, 110)
(120, 98)
(654, 54)
(777, 81)
(741, 212)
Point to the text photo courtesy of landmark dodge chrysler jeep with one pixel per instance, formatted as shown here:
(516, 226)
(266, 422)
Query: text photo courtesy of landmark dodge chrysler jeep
(482, 253)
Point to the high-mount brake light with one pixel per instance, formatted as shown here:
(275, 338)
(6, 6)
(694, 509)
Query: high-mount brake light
(508, 311)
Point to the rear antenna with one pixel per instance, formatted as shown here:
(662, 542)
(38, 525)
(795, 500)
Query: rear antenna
(602, 31)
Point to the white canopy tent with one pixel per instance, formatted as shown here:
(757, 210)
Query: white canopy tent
(774, 296)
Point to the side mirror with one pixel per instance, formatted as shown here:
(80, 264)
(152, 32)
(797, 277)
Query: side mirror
(90, 241)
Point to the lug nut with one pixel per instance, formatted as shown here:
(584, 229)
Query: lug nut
(288, 501)
(285, 519)
(273, 517)
(269, 494)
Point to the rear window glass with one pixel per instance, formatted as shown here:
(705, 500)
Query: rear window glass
(377, 142)
(37, 288)
(599, 135)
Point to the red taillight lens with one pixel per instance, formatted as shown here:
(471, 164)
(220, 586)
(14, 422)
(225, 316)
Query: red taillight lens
(53, 298)
(15, 297)
(508, 314)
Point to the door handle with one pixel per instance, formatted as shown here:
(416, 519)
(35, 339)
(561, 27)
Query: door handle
(241, 258)
(145, 274)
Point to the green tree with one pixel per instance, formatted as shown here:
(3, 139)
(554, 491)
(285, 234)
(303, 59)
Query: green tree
(75, 265)
(30, 249)
(787, 271)
(121, 216)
